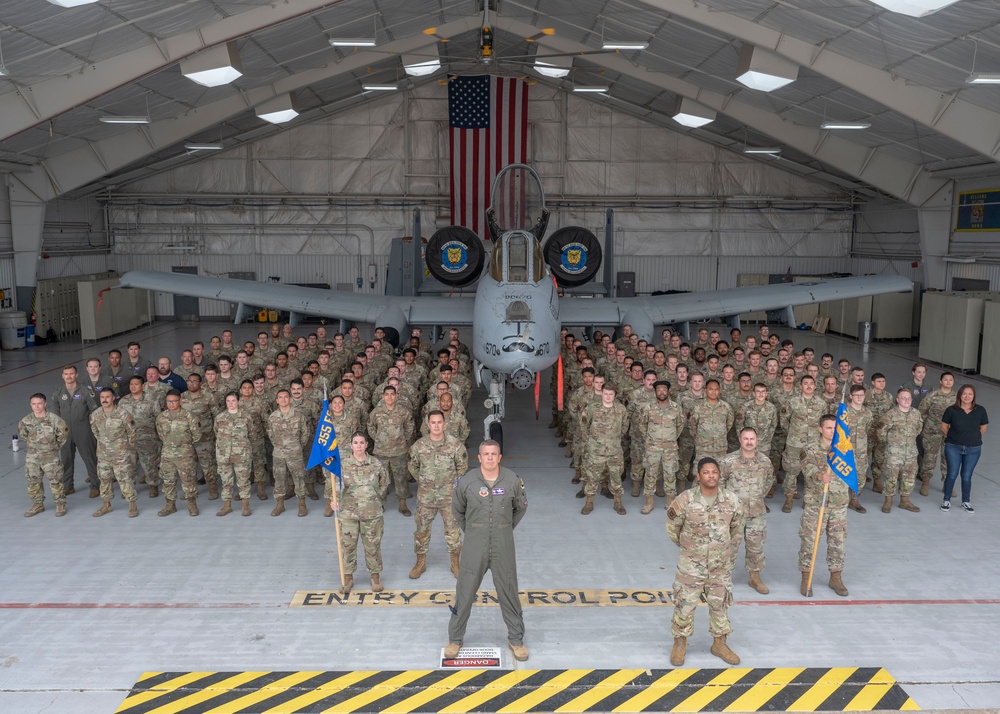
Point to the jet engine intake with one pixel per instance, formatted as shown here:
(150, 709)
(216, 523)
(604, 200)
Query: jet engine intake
(455, 256)
(574, 256)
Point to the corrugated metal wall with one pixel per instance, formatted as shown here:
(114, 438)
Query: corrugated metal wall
(654, 273)
(976, 271)
(61, 266)
(881, 266)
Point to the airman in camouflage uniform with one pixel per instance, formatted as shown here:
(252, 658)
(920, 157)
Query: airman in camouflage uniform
(707, 524)
(455, 422)
(749, 474)
(602, 428)
(436, 461)
(638, 398)
(659, 426)
(932, 409)
(203, 407)
(861, 424)
(761, 415)
(44, 434)
(574, 408)
(817, 472)
(234, 453)
(287, 430)
(687, 398)
(710, 420)
(156, 389)
(311, 411)
(258, 411)
(780, 394)
(880, 403)
(366, 481)
(344, 423)
(114, 430)
(178, 431)
(391, 428)
(144, 410)
(899, 430)
(799, 418)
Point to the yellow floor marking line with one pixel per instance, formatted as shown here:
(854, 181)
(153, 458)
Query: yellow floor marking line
(601, 690)
(711, 690)
(213, 690)
(160, 689)
(824, 687)
(654, 691)
(491, 690)
(268, 690)
(378, 691)
(432, 692)
(544, 691)
(321, 692)
(765, 689)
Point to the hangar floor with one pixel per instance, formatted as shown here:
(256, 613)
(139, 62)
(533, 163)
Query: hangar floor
(88, 605)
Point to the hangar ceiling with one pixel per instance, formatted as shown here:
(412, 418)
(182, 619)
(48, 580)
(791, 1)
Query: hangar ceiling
(907, 77)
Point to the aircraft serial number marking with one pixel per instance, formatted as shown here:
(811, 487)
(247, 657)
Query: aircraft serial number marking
(491, 349)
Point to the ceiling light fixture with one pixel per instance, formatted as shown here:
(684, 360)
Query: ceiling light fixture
(984, 78)
(278, 110)
(215, 66)
(71, 3)
(3, 67)
(547, 69)
(420, 67)
(834, 125)
(380, 87)
(764, 70)
(771, 150)
(621, 45)
(125, 119)
(204, 147)
(914, 8)
(590, 89)
(356, 42)
(688, 112)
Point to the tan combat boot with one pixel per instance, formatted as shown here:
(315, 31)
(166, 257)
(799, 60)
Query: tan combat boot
(60, 510)
(451, 651)
(170, 507)
(554, 423)
(887, 505)
(577, 476)
(193, 507)
(303, 511)
(770, 492)
(133, 509)
(456, 559)
(568, 453)
(787, 508)
(35, 509)
(721, 650)
(94, 492)
(328, 511)
(804, 587)
(836, 584)
(679, 651)
(520, 652)
(647, 506)
(582, 493)
(213, 490)
(588, 507)
(348, 584)
(659, 488)
(605, 491)
(877, 485)
(420, 568)
(246, 506)
(907, 505)
(636, 488)
(311, 492)
(227, 508)
(757, 584)
(925, 486)
(105, 508)
(261, 491)
(154, 491)
(376, 583)
(403, 507)
(619, 508)
(279, 507)
(855, 504)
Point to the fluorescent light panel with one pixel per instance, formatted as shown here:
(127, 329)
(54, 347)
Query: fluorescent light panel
(621, 45)
(984, 78)
(125, 120)
(203, 147)
(419, 67)
(773, 150)
(547, 69)
(763, 70)
(846, 125)
(3, 70)
(215, 66)
(688, 112)
(914, 8)
(356, 42)
(380, 87)
(71, 3)
(279, 110)
(590, 88)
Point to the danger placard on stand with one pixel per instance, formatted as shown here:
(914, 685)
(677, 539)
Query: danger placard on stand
(473, 658)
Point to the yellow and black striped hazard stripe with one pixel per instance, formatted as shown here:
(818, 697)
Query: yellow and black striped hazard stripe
(558, 690)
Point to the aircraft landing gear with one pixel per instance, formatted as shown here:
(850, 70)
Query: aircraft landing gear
(497, 386)
(496, 433)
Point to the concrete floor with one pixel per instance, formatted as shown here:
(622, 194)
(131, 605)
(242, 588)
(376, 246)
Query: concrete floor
(87, 605)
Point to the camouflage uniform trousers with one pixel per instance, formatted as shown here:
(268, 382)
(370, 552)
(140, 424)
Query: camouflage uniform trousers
(933, 453)
(370, 531)
(291, 466)
(204, 452)
(47, 465)
(398, 473)
(878, 459)
(861, 463)
(186, 469)
(791, 463)
(660, 463)
(635, 458)
(898, 475)
(424, 518)
(776, 449)
(595, 464)
(717, 589)
(122, 469)
(685, 455)
(239, 467)
(258, 460)
(147, 447)
(754, 537)
(835, 527)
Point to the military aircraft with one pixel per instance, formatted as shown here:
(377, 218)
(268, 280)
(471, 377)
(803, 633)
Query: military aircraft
(517, 312)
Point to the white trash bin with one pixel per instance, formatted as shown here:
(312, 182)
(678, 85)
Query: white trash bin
(12, 326)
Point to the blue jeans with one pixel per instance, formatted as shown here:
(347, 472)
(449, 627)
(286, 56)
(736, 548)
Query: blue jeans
(964, 459)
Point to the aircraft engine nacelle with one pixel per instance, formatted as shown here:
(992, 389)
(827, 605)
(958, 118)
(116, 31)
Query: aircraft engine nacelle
(455, 256)
(574, 256)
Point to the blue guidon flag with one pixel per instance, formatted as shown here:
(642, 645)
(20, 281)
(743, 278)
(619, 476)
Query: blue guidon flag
(324, 448)
(841, 453)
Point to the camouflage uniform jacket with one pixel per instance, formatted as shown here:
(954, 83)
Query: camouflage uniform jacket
(862, 421)
(364, 484)
(178, 431)
(814, 465)
(391, 431)
(932, 408)
(661, 425)
(708, 533)
(157, 391)
(899, 432)
(800, 418)
(233, 433)
(455, 423)
(750, 479)
(436, 465)
(710, 424)
(45, 436)
(287, 432)
(203, 407)
(880, 404)
(115, 434)
(763, 419)
(603, 428)
(144, 412)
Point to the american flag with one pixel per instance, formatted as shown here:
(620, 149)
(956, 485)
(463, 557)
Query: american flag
(488, 120)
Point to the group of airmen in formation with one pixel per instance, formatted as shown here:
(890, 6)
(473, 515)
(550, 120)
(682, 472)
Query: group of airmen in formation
(242, 418)
(741, 418)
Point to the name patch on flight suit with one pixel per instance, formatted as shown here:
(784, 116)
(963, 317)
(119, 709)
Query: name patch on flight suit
(499, 491)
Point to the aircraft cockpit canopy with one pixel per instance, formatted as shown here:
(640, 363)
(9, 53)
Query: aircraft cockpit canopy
(517, 202)
(517, 258)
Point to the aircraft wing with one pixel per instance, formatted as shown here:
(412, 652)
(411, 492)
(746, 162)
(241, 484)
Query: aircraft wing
(665, 309)
(375, 309)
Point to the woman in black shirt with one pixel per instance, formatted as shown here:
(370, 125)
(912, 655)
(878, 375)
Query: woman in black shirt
(963, 424)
